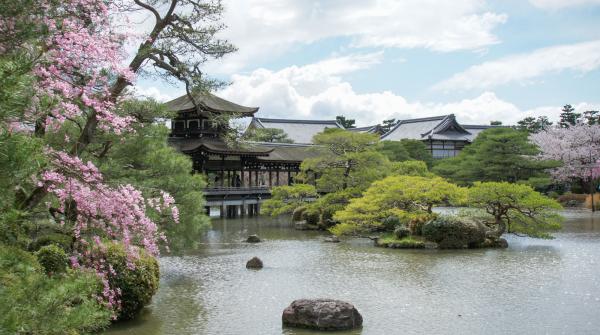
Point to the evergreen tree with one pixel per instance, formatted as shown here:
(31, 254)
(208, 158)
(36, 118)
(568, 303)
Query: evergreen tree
(346, 123)
(534, 125)
(387, 125)
(497, 154)
(273, 135)
(568, 117)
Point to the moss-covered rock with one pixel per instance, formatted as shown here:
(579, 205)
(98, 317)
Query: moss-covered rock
(451, 232)
(392, 242)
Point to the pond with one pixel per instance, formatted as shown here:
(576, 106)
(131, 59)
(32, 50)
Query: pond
(533, 287)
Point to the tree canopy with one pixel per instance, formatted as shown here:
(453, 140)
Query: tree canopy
(516, 208)
(273, 135)
(497, 154)
(406, 149)
(345, 159)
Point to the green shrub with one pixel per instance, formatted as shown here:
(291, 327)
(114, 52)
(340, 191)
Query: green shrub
(327, 215)
(64, 241)
(450, 232)
(53, 259)
(312, 216)
(137, 285)
(401, 232)
(33, 303)
(410, 242)
(391, 222)
(297, 214)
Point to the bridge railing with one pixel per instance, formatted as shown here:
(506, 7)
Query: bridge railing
(225, 190)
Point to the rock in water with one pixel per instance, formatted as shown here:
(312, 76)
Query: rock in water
(332, 239)
(322, 314)
(254, 263)
(253, 239)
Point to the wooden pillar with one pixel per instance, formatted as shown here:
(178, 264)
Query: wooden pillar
(270, 181)
(256, 178)
(277, 176)
(289, 171)
(228, 178)
(222, 168)
(222, 211)
(243, 209)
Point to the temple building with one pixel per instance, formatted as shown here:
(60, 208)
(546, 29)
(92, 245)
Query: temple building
(443, 135)
(239, 175)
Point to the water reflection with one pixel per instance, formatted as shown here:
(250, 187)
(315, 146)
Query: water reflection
(535, 286)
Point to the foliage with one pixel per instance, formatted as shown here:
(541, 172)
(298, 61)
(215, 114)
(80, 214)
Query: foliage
(345, 159)
(534, 125)
(451, 232)
(154, 168)
(137, 278)
(411, 168)
(285, 199)
(568, 117)
(406, 149)
(65, 242)
(497, 154)
(577, 147)
(267, 135)
(53, 259)
(409, 198)
(33, 303)
(408, 242)
(311, 215)
(346, 123)
(387, 125)
(297, 213)
(62, 64)
(516, 208)
(401, 232)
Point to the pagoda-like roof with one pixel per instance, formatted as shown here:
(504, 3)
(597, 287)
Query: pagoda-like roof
(444, 127)
(208, 102)
(299, 131)
(217, 146)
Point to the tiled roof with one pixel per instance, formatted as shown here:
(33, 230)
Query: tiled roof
(209, 102)
(444, 127)
(299, 131)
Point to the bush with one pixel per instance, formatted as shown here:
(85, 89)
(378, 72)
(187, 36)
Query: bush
(450, 232)
(137, 285)
(327, 215)
(33, 303)
(297, 214)
(62, 240)
(401, 232)
(53, 259)
(391, 222)
(311, 216)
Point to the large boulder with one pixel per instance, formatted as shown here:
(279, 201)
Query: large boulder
(322, 314)
(451, 232)
(253, 239)
(254, 263)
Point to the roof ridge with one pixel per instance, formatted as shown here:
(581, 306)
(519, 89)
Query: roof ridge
(262, 119)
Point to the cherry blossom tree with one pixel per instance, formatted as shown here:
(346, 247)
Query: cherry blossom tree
(76, 56)
(577, 147)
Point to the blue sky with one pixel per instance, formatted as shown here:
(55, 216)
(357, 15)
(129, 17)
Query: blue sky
(378, 59)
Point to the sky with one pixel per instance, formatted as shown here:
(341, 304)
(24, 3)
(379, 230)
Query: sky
(372, 60)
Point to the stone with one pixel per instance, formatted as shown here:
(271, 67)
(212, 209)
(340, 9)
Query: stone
(332, 239)
(301, 225)
(254, 263)
(322, 314)
(253, 239)
(501, 243)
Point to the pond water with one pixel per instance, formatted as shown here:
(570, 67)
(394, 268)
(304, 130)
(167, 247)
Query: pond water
(533, 287)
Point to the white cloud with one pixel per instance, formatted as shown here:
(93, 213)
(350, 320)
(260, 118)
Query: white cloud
(522, 68)
(267, 28)
(152, 92)
(318, 92)
(558, 4)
